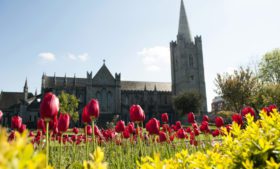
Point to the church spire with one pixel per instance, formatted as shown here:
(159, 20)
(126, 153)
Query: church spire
(25, 90)
(25, 84)
(184, 30)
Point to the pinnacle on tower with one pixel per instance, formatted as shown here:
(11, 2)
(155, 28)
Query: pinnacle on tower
(25, 84)
(184, 30)
(25, 90)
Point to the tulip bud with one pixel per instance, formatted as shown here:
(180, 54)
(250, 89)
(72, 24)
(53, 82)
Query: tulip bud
(75, 130)
(93, 108)
(153, 126)
(49, 106)
(120, 126)
(219, 121)
(63, 122)
(136, 113)
(16, 122)
(164, 118)
(191, 117)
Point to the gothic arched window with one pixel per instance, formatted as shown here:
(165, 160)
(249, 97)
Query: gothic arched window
(103, 99)
(191, 61)
(109, 101)
(126, 100)
(98, 96)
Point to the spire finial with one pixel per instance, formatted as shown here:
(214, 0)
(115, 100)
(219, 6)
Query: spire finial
(184, 30)
(104, 61)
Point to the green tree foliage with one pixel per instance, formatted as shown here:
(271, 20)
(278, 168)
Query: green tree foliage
(237, 88)
(69, 104)
(266, 94)
(188, 102)
(269, 67)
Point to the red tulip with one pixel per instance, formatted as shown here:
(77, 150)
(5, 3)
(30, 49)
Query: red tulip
(153, 126)
(63, 122)
(162, 136)
(108, 134)
(75, 130)
(131, 128)
(89, 130)
(31, 134)
(16, 122)
(22, 128)
(93, 108)
(41, 124)
(271, 107)
(164, 118)
(39, 133)
(204, 127)
(205, 118)
(181, 134)
(194, 126)
(49, 106)
(165, 127)
(120, 126)
(85, 116)
(192, 135)
(191, 117)
(247, 110)
(97, 131)
(12, 136)
(219, 121)
(216, 133)
(74, 138)
(193, 142)
(178, 125)
(237, 118)
(228, 127)
(188, 130)
(126, 133)
(1, 115)
(136, 113)
(196, 132)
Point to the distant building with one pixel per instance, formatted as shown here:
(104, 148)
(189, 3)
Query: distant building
(116, 96)
(217, 104)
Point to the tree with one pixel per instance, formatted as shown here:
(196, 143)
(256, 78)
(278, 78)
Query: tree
(237, 88)
(69, 104)
(188, 102)
(269, 67)
(266, 94)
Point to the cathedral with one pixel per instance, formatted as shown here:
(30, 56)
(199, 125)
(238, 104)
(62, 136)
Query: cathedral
(115, 95)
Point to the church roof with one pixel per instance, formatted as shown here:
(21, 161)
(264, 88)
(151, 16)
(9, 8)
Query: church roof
(103, 74)
(8, 99)
(137, 85)
(184, 29)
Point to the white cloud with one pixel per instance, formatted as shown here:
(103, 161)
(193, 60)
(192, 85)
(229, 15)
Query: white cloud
(82, 57)
(71, 56)
(155, 58)
(47, 56)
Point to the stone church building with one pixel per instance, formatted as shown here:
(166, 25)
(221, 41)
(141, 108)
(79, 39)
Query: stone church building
(115, 95)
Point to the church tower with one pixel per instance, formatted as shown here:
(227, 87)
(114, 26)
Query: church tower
(187, 70)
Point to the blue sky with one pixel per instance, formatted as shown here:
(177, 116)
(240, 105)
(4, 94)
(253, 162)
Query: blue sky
(69, 36)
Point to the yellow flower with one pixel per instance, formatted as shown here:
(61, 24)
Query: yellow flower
(96, 162)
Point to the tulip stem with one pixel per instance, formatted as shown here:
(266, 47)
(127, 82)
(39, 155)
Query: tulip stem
(86, 143)
(60, 150)
(93, 139)
(47, 144)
